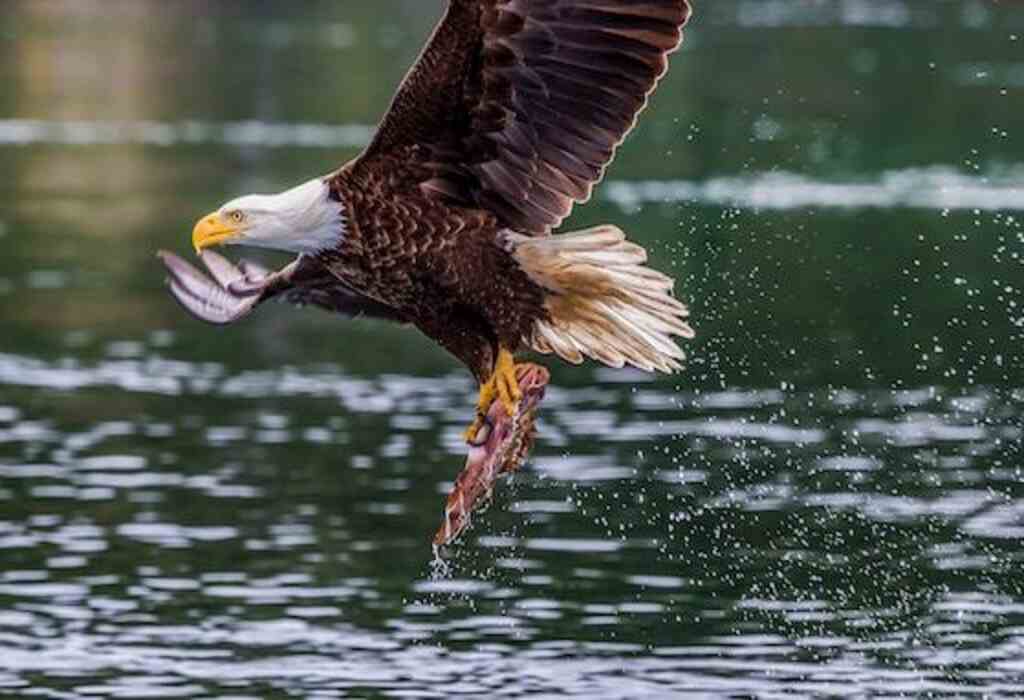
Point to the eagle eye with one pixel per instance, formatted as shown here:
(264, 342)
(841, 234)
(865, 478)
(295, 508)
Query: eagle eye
(237, 216)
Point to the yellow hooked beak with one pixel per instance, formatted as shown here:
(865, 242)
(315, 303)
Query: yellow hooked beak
(213, 229)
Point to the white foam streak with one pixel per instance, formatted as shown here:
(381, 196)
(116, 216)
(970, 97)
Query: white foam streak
(26, 132)
(938, 187)
(845, 13)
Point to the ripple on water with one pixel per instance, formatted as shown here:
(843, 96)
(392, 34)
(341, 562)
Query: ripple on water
(749, 541)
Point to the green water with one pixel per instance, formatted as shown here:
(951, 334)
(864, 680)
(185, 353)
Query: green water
(828, 501)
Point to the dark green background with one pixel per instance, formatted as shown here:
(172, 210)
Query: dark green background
(829, 498)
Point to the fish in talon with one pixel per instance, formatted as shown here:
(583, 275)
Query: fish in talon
(504, 444)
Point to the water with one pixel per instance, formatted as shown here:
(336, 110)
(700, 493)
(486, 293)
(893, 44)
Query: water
(829, 500)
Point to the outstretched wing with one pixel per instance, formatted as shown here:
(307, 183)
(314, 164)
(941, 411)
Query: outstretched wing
(213, 298)
(517, 106)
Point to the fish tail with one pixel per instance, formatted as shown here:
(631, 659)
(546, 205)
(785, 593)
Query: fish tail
(603, 302)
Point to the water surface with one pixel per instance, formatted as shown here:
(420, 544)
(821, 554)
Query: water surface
(829, 500)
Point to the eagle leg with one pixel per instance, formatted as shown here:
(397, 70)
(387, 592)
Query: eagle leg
(503, 385)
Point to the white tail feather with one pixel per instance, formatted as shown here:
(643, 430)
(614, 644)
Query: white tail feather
(603, 303)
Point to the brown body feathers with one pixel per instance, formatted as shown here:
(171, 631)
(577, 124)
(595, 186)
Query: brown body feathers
(509, 117)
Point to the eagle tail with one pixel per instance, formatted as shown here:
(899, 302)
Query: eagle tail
(602, 302)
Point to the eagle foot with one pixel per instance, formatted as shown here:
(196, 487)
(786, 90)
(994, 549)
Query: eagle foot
(501, 449)
(503, 386)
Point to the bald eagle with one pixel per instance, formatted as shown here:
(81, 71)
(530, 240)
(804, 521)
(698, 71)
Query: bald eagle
(508, 118)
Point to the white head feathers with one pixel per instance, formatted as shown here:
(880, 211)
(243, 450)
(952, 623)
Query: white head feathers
(303, 219)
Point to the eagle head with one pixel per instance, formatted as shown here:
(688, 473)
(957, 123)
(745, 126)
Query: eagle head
(304, 219)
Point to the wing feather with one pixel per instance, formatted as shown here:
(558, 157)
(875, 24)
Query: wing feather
(518, 106)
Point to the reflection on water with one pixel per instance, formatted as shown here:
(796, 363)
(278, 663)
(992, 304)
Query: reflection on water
(829, 499)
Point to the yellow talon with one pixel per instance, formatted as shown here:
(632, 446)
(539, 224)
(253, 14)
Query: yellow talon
(503, 385)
